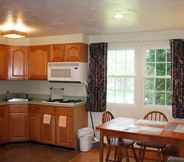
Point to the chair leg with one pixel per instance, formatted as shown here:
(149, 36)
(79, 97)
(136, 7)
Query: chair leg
(116, 149)
(142, 153)
(134, 152)
(127, 156)
(108, 153)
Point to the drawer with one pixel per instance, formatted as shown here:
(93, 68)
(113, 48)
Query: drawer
(18, 108)
(64, 111)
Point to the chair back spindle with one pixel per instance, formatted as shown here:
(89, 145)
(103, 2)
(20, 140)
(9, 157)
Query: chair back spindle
(156, 115)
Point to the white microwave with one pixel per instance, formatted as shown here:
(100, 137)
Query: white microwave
(67, 71)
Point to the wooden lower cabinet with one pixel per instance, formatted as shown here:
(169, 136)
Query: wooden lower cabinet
(18, 126)
(34, 123)
(47, 125)
(3, 124)
(18, 123)
(64, 127)
(42, 123)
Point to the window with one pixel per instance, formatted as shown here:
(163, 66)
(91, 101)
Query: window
(121, 76)
(157, 78)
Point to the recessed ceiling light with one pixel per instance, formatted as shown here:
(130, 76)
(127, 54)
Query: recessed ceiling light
(118, 16)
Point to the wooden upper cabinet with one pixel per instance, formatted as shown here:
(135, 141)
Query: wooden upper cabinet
(57, 53)
(18, 63)
(3, 62)
(76, 52)
(38, 61)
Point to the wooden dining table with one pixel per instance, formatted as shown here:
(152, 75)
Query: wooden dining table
(171, 132)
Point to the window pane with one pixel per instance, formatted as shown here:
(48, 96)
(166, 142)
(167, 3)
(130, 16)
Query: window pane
(160, 84)
(168, 99)
(149, 84)
(160, 55)
(160, 69)
(168, 55)
(168, 84)
(149, 97)
(160, 98)
(169, 69)
(150, 55)
(150, 69)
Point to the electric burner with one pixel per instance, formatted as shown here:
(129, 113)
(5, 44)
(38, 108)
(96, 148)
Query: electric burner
(65, 101)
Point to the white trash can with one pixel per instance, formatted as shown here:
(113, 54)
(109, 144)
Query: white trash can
(85, 136)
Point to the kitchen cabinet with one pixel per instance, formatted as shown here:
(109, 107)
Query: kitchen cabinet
(64, 127)
(18, 63)
(3, 124)
(3, 62)
(37, 62)
(18, 123)
(56, 125)
(76, 52)
(47, 125)
(57, 53)
(34, 123)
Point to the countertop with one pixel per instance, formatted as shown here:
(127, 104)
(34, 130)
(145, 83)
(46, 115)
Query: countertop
(43, 103)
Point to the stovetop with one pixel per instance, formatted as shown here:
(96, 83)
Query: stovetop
(65, 101)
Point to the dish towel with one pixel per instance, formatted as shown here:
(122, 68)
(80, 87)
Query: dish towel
(62, 121)
(46, 119)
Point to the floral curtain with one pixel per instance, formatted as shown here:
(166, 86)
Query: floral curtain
(177, 54)
(97, 80)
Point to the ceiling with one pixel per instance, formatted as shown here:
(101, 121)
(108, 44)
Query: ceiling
(55, 17)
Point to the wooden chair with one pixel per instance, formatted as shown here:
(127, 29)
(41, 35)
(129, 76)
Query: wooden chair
(156, 116)
(118, 144)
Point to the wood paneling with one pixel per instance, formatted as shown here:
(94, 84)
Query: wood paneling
(3, 62)
(18, 63)
(3, 124)
(38, 61)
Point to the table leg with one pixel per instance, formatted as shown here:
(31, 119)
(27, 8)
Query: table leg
(101, 154)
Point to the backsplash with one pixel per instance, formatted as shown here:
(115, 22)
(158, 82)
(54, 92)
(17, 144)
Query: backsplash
(41, 87)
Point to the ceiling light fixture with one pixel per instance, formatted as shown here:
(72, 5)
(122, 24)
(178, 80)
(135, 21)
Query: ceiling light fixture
(12, 29)
(14, 34)
(118, 16)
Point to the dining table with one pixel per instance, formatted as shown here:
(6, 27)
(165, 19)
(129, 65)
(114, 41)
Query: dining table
(171, 132)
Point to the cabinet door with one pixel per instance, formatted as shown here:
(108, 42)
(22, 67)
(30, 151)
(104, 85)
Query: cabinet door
(48, 131)
(64, 133)
(76, 52)
(34, 126)
(3, 124)
(3, 62)
(18, 126)
(38, 60)
(57, 54)
(18, 63)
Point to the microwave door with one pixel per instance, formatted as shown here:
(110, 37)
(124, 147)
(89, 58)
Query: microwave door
(60, 74)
